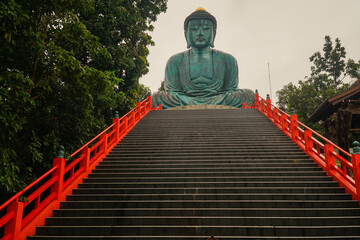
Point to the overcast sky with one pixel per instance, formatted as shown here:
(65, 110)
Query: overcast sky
(284, 33)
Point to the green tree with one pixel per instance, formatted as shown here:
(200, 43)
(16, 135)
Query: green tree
(53, 87)
(46, 92)
(326, 80)
(127, 24)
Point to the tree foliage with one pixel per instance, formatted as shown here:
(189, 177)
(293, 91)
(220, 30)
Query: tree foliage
(326, 80)
(126, 40)
(64, 67)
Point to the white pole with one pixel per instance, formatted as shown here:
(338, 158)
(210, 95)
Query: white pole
(269, 80)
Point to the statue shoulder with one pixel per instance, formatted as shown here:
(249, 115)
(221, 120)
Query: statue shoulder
(178, 58)
(225, 56)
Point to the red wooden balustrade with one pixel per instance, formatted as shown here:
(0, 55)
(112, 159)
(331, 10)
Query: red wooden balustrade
(19, 219)
(248, 105)
(341, 165)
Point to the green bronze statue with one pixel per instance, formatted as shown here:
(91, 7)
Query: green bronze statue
(201, 75)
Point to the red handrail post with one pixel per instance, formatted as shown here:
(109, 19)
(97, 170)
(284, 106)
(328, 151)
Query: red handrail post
(294, 127)
(244, 105)
(138, 111)
(104, 138)
(276, 115)
(329, 157)
(86, 161)
(13, 227)
(142, 109)
(148, 105)
(262, 105)
(309, 144)
(256, 98)
(283, 122)
(355, 159)
(160, 106)
(132, 122)
(57, 188)
(126, 122)
(268, 106)
(116, 122)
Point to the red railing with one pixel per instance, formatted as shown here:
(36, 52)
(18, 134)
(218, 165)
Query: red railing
(20, 218)
(248, 105)
(341, 165)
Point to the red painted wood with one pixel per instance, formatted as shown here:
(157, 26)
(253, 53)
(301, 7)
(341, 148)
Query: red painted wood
(356, 163)
(13, 227)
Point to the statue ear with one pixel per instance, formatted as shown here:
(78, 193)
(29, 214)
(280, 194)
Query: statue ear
(212, 41)
(187, 39)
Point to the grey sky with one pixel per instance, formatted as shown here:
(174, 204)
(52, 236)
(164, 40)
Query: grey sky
(284, 32)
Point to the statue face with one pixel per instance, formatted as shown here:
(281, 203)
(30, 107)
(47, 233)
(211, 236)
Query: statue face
(200, 33)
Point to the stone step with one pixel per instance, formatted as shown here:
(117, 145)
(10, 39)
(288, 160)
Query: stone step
(209, 204)
(95, 178)
(234, 130)
(180, 237)
(102, 169)
(245, 146)
(209, 173)
(240, 137)
(209, 190)
(196, 134)
(149, 164)
(283, 141)
(210, 221)
(189, 156)
(200, 230)
(238, 154)
(145, 185)
(239, 151)
(233, 196)
(110, 161)
(219, 212)
(255, 139)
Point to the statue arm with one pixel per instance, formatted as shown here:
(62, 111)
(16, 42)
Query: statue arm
(233, 74)
(171, 82)
(169, 98)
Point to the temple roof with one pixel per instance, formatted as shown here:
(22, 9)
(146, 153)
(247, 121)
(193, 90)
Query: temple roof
(331, 105)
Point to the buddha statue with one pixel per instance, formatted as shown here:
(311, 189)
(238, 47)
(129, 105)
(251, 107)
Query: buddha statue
(201, 75)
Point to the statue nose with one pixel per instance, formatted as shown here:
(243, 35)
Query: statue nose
(200, 32)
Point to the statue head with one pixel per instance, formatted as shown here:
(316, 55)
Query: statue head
(200, 23)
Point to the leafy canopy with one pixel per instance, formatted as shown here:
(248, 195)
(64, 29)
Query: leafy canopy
(326, 80)
(65, 66)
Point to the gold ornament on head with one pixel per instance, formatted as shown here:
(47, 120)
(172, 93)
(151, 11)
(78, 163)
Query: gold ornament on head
(200, 9)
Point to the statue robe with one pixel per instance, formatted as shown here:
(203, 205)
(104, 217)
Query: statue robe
(222, 89)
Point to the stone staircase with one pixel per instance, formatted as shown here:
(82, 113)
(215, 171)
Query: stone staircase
(189, 174)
